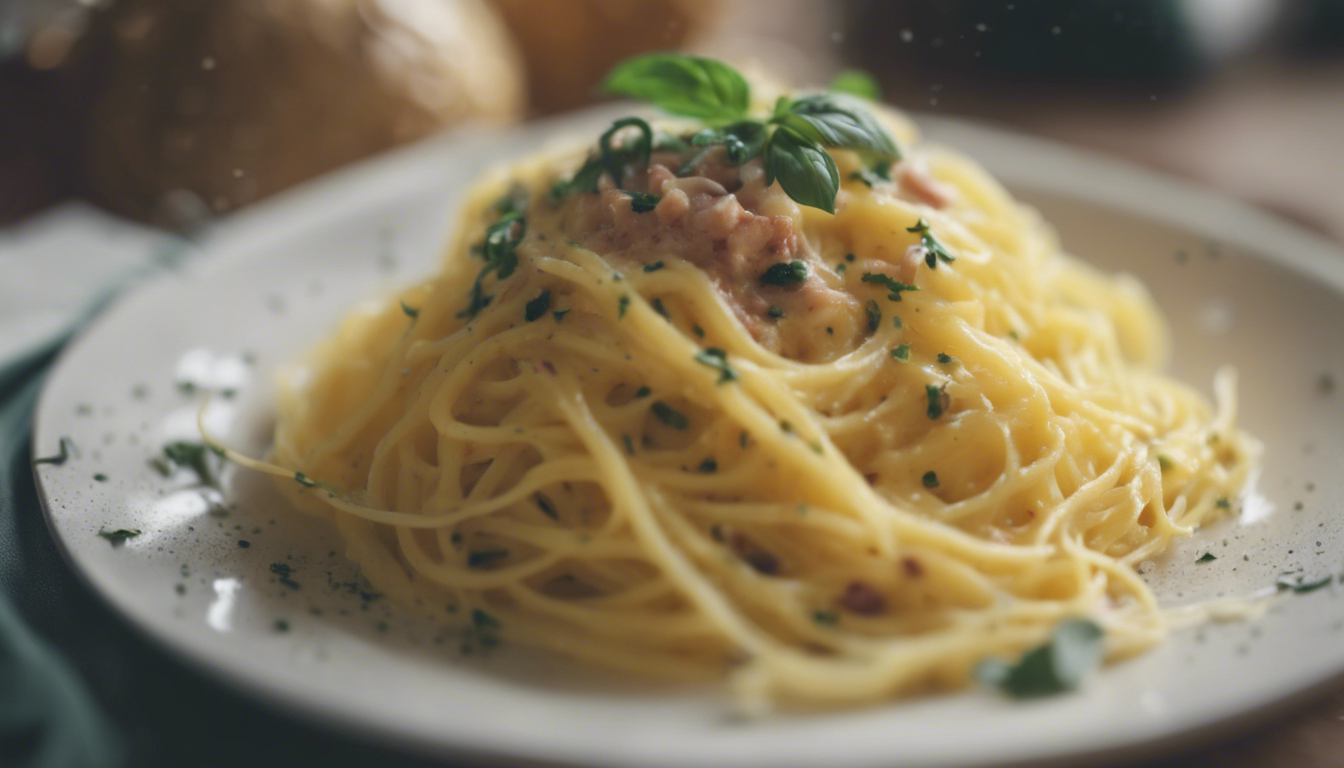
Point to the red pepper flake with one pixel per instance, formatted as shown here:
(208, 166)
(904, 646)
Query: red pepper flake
(862, 599)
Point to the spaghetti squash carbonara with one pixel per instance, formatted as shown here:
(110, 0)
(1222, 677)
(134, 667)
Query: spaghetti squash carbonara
(657, 414)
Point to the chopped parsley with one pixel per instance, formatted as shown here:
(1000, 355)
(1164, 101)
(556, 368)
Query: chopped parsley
(410, 311)
(118, 536)
(930, 479)
(537, 307)
(1075, 648)
(708, 466)
(717, 359)
(559, 315)
(1207, 557)
(622, 304)
(61, 457)
(499, 249)
(893, 285)
(1300, 585)
(190, 455)
(933, 250)
(643, 202)
(669, 415)
(874, 315)
(938, 401)
(775, 312)
(654, 267)
(785, 274)
(902, 352)
(308, 482)
(284, 574)
(946, 359)
(826, 618)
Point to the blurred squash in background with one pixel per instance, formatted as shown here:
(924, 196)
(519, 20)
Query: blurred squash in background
(569, 45)
(223, 103)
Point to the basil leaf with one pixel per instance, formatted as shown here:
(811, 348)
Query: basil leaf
(804, 170)
(856, 82)
(683, 85)
(1074, 649)
(832, 122)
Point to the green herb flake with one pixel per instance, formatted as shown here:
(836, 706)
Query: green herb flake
(409, 311)
(934, 251)
(658, 307)
(874, 315)
(537, 307)
(785, 274)
(118, 536)
(499, 249)
(718, 360)
(896, 323)
(643, 392)
(946, 359)
(930, 479)
(774, 312)
(559, 315)
(825, 618)
(938, 401)
(654, 267)
(1222, 504)
(669, 415)
(308, 482)
(61, 457)
(901, 353)
(708, 467)
(643, 202)
(622, 304)
(893, 285)
(1300, 585)
(281, 626)
(284, 574)
(1207, 557)
(629, 444)
(1075, 648)
(193, 456)
(100, 477)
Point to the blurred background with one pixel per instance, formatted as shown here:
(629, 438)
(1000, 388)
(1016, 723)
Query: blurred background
(167, 112)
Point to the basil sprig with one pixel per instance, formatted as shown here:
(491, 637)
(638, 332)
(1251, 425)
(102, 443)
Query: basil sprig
(691, 86)
(792, 141)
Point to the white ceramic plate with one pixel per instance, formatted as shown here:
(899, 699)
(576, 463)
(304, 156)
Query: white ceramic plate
(241, 586)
